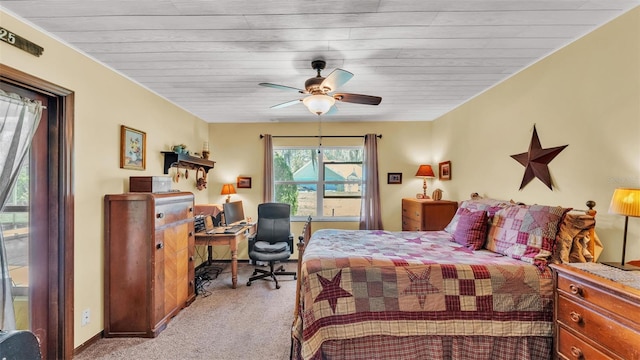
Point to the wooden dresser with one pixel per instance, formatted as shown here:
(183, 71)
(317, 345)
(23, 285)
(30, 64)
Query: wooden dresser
(596, 318)
(423, 215)
(149, 261)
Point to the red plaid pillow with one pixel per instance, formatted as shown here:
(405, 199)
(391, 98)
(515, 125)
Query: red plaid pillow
(473, 205)
(471, 230)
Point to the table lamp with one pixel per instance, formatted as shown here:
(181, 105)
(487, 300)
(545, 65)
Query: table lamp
(625, 201)
(228, 189)
(425, 171)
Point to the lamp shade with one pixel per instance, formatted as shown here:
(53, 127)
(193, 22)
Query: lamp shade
(318, 104)
(625, 201)
(425, 171)
(228, 189)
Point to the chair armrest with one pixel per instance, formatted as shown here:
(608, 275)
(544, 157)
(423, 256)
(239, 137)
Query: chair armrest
(251, 240)
(290, 242)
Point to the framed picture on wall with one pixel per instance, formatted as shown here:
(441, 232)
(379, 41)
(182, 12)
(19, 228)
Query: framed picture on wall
(394, 178)
(243, 182)
(444, 170)
(133, 149)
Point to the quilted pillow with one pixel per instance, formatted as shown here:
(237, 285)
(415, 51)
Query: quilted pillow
(471, 231)
(474, 205)
(525, 232)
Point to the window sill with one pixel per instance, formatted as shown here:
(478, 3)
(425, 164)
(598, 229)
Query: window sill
(326, 219)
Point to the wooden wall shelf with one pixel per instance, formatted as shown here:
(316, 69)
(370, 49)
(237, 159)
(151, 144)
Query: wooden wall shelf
(172, 159)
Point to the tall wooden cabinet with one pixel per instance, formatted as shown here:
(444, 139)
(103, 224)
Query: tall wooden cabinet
(149, 261)
(427, 215)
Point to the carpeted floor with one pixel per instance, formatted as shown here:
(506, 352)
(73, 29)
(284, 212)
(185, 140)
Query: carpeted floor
(250, 322)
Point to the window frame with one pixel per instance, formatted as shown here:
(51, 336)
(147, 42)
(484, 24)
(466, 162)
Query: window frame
(320, 182)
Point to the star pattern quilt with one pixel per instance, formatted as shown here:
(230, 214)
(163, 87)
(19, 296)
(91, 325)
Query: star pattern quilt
(358, 284)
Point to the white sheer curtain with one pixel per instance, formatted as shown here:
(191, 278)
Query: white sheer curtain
(370, 214)
(19, 119)
(267, 190)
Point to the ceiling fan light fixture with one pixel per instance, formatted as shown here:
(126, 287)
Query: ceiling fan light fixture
(318, 104)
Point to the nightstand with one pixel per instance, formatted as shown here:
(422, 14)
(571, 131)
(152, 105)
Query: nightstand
(596, 311)
(424, 214)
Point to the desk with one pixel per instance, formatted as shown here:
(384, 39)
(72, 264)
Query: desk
(208, 240)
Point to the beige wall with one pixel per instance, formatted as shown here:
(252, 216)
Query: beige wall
(402, 148)
(585, 96)
(103, 102)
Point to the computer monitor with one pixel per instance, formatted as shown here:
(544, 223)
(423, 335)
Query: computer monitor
(233, 212)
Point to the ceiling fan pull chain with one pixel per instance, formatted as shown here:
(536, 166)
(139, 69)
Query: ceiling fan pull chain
(319, 132)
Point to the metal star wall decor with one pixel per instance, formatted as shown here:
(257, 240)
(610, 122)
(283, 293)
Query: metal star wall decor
(536, 161)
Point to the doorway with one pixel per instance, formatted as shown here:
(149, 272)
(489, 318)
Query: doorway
(38, 220)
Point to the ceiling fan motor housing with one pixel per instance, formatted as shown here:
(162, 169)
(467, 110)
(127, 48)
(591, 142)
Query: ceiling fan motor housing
(312, 85)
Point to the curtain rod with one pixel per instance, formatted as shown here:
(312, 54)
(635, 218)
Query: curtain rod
(379, 136)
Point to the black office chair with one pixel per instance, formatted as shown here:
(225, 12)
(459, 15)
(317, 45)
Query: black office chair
(272, 242)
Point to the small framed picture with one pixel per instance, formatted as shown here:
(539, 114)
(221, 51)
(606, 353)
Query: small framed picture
(243, 182)
(133, 148)
(394, 178)
(444, 170)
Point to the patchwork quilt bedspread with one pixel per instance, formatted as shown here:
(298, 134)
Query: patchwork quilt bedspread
(363, 283)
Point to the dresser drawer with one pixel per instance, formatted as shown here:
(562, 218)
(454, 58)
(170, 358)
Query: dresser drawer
(595, 315)
(571, 347)
(170, 213)
(599, 327)
(410, 224)
(412, 210)
(577, 289)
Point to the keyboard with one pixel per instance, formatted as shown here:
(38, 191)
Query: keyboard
(233, 229)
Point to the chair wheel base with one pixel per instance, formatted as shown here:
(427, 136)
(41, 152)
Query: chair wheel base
(271, 274)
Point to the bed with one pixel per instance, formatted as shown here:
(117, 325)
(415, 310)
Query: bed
(438, 294)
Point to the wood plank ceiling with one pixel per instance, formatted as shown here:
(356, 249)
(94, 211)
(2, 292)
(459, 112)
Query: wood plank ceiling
(422, 57)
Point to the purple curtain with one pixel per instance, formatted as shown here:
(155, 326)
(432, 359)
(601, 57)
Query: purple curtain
(267, 189)
(370, 214)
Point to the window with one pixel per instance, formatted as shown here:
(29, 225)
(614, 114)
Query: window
(325, 183)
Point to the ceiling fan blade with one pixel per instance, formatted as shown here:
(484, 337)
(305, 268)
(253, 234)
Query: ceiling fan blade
(358, 98)
(283, 87)
(288, 103)
(337, 78)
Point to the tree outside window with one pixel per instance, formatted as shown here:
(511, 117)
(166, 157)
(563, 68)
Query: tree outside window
(323, 184)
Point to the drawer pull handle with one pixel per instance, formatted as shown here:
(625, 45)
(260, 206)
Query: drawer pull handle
(575, 289)
(576, 352)
(159, 246)
(575, 317)
(160, 215)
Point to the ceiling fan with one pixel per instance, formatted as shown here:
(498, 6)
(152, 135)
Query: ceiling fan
(320, 91)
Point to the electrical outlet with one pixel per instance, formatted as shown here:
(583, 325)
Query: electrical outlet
(86, 317)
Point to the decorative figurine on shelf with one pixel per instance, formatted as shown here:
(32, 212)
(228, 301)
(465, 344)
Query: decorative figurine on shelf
(180, 149)
(205, 150)
(437, 194)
